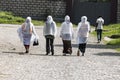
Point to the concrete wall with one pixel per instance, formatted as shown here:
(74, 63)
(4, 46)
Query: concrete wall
(118, 11)
(37, 9)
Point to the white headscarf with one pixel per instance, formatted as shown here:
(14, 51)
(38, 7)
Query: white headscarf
(67, 19)
(28, 20)
(83, 19)
(83, 27)
(50, 29)
(49, 19)
(28, 24)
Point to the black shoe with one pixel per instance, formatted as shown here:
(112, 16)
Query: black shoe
(63, 51)
(78, 53)
(69, 52)
(27, 52)
(47, 53)
(64, 54)
(98, 41)
(52, 53)
(82, 54)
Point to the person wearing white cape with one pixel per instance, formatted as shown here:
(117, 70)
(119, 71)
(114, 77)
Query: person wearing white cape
(67, 34)
(49, 32)
(27, 33)
(82, 34)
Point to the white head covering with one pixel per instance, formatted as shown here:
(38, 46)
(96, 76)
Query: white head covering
(83, 19)
(49, 27)
(28, 20)
(67, 19)
(49, 19)
(83, 30)
(28, 25)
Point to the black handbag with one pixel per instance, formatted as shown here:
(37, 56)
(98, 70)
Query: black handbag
(35, 43)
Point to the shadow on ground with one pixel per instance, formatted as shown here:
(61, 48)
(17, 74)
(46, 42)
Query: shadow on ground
(55, 55)
(108, 54)
(98, 46)
(22, 53)
(102, 46)
(13, 52)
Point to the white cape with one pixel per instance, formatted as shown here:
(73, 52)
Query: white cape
(34, 37)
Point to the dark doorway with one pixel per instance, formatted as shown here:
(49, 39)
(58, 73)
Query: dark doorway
(92, 10)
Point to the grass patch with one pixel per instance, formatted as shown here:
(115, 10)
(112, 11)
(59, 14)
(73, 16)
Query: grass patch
(113, 29)
(110, 30)
(118, 49)
(114, 42)
(38, 23)
(9, 18)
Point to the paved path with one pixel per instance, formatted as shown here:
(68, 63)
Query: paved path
(99, 62)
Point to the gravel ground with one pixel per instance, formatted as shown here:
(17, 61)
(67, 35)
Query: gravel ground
(99, 62)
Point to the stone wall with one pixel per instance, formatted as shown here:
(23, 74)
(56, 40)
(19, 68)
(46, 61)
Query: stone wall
(37, 9)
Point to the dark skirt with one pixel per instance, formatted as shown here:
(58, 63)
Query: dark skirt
(82, 47)
(67, 47)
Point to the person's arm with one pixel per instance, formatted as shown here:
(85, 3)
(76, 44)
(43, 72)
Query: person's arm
(44, 29)
(72, 30)
(96, 25)
(55, 30)
(78, 28)
(23, 26)
(31, 28)
(103, 21)
(89, 27)
(61, 30)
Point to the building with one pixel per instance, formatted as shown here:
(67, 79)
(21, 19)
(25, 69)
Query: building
(39, 9)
